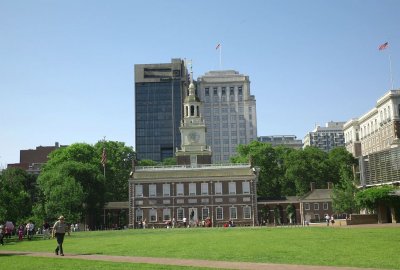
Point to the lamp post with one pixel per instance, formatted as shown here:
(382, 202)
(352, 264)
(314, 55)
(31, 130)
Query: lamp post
(212, 205)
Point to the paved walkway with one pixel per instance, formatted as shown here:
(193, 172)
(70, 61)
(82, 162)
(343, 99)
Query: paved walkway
(181, 262)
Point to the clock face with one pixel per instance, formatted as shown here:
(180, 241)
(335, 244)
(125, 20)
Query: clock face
(193, 136)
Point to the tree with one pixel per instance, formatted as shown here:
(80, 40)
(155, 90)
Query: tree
(15, 201)
(75, 168)
(147, 162)
(343, 196)
(306, 166)
(117, 168)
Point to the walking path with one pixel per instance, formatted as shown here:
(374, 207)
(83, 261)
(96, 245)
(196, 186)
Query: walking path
(181, 262)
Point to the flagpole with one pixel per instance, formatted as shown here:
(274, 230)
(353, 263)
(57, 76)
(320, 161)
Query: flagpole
(220, 57)
(390, 69)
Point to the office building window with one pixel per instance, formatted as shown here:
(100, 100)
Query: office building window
(233, 212)
(247, 212)
(220, 213)
(232, 187)
(231, 91)
(153, 215)
(179, 214)
(166, 214)
(192, 189)
(240, 91)
(139, 214)
(179, 190)
(246, 187)
(218, 188)
(204, 188)
(223, 91)
(215, 91)
(152, 190)
(138, 191)
(207, 91)
(166, 190)
(205, 213)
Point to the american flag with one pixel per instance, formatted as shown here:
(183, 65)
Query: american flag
(219, 45)
(384, 46)
(104, 157)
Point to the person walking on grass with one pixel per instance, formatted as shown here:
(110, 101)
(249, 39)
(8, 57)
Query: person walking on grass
(59, 230)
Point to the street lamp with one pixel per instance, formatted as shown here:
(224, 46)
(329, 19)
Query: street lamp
(212, 205)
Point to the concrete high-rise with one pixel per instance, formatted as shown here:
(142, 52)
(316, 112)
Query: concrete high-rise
(326, 138)
(229, 112)
(159, 93)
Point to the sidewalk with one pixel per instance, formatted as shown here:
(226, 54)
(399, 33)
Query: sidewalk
(181, 262)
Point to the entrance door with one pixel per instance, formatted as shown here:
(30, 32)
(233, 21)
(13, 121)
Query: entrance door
(193, 217)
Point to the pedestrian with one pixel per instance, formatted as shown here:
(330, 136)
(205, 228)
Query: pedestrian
(30, 228)
(327, 219)
(59, 230)
(21, 229)
(332, 220)
(46, 230)
(2, 232)
(184, 222)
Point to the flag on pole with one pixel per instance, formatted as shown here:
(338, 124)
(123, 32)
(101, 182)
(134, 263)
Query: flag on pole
(383, 46)
(104, 157)
(219, 45)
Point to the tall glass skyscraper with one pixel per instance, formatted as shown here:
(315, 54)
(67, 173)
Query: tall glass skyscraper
(159, 93)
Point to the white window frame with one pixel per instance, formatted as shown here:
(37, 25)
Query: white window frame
(139, 190)
(180, 214)
(219, 213)
(246, 212)
(306, 206)
(166, 190)
(139, 214)
(232, 188)
(152, 190)
(316, 206)
(204, 188)
(246, 187)
(218, 188)
(205, 212)
(179, 189)
(325, 206)
(166, 214)
(153, 215)
(192, 189)
(233, 212)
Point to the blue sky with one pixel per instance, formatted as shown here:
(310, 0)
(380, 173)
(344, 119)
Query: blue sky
(66, 67)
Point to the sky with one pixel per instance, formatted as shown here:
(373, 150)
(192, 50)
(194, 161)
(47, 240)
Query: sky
(66, 67)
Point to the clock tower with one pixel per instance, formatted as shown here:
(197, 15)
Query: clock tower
(193, 132)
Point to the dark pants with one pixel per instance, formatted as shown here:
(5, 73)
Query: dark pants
(60, 240)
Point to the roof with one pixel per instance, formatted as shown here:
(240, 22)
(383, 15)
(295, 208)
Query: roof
(318, 195)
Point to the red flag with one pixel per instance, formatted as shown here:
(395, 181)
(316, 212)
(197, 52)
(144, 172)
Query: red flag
(219, 45)
(384, 46)
(104, 157)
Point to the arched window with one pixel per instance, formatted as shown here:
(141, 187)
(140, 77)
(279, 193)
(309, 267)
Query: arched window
(191, 110)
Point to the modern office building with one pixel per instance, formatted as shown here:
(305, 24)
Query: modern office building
(159, 93)
(194, 192)
(326, 138)
(229, 112)
(290, 141)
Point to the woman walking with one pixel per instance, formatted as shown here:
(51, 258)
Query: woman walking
(59, 229)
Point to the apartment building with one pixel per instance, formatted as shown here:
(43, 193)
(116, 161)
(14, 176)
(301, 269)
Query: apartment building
(326, 138)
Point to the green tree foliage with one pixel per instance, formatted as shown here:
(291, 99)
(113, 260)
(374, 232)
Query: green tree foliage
(340, 164)
(169, 161)
(117, 168)
(370, 198)
(73, 170)
(306, 166)
(147, 162)
(269, 161)
(15, 200)
(343, 196)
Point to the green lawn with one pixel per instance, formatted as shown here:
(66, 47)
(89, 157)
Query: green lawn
(339, 246)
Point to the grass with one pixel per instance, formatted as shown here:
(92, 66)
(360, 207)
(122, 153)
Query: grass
(340, 246)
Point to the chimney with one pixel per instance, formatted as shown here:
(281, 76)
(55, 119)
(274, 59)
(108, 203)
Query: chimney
(330, 185)
(312, 186)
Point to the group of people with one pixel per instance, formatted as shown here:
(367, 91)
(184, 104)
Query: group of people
(329, 219)
(58, 231)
